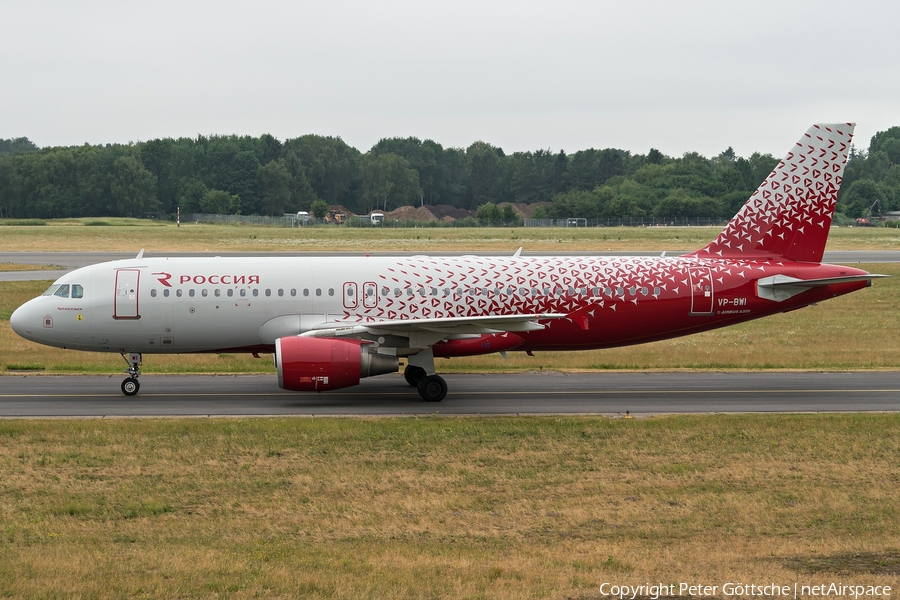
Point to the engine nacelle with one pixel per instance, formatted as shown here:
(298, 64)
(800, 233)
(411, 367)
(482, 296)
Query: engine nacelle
(307, 364)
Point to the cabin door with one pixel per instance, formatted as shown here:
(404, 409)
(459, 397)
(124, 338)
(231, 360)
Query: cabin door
(127, 288)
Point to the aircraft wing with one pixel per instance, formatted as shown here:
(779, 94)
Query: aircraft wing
(434, 328)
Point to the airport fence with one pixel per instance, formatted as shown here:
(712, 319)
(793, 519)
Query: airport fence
(363, 221)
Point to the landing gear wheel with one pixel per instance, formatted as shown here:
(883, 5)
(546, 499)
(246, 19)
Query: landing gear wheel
(130, 386)
(432, 388)
(413, 375)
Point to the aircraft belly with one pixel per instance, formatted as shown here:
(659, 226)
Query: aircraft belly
(203, 326)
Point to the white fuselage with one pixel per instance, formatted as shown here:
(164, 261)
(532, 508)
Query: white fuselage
(182, 305)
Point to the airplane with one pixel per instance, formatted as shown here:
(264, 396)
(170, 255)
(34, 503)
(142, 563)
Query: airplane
(331, 321)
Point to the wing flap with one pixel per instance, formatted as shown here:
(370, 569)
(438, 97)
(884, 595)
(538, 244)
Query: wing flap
(444, 326)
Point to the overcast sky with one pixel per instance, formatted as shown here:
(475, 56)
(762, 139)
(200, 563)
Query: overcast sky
(676, 75)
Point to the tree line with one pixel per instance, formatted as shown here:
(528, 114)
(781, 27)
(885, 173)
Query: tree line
(264, 176)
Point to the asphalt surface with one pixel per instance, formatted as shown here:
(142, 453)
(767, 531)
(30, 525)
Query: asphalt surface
(27, 395)
(74, 260)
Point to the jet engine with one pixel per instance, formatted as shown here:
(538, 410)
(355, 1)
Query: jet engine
(308, 364)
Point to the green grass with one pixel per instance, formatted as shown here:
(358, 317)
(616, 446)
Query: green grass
(22, 222)
(442, 507)
(159, 236)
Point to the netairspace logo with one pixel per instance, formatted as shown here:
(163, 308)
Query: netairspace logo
(654, 591)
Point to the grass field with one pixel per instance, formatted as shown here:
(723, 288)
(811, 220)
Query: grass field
(130, 235)
(7, 266)
(858, 331)
(443, 508)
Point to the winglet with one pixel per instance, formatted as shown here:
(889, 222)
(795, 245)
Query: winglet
(518, 253)
(789, 215)
(140, 255)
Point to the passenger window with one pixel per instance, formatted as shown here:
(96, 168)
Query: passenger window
(217, 292)
(255, 292)
(293, 291)
(178, 293)
(280, 292)
(268, 292)
(153, 293)
(77, 291)
(63, 291)
(166, 293)
(204, 292)
(318, 291)
(191, 292)
(230, 292)
(243, 292)
(331, 291)
(305, 292)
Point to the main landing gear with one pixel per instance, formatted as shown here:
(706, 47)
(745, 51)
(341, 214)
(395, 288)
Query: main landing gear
(431, 387)
(131, 385)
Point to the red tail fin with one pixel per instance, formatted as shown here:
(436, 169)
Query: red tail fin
(790, 214)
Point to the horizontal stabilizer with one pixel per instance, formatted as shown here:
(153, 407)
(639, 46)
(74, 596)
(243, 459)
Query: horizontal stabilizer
(782, 287)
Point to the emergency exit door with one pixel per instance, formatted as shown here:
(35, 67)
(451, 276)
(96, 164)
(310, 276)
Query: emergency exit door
(701, 291)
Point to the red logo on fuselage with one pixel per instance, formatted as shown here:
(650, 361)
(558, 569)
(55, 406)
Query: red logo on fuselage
(220, 279)
(164, 278)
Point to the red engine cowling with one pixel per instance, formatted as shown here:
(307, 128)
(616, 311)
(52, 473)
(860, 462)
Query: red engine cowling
(320, 364)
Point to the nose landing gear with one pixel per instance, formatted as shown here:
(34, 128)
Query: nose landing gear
(131, 385)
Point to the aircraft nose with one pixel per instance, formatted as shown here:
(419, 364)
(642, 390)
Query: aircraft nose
(19, 321)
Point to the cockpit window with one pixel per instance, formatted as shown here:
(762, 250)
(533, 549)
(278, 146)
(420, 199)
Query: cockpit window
(63, 291)
(77, 291)
(51, 290)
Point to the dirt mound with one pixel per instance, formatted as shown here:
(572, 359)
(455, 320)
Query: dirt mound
(411, 213)
(445, 212)
(526, 210)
